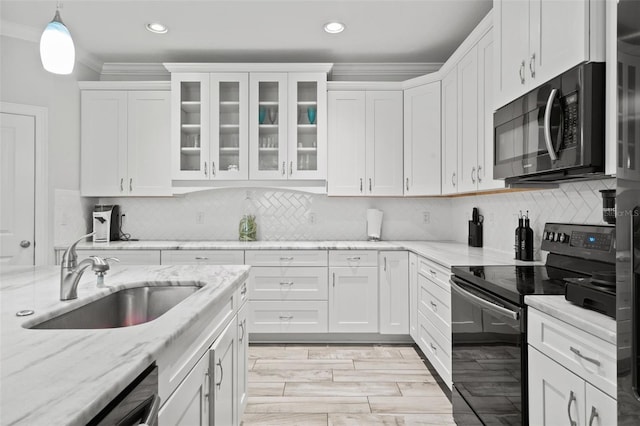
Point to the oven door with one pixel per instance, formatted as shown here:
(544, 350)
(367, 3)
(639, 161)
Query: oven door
(488, 358)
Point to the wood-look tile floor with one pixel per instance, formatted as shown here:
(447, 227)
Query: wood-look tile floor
(337, 385)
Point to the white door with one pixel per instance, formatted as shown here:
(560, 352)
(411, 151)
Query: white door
(149, 143)
(384, 132)
(394, 292)
(349, 285)
(602, 410)
(223, 372)
(413, 296)
(449, 133)
(243, 361)
(17, 189)
(468, 121)
(346, 144)
(422, 140)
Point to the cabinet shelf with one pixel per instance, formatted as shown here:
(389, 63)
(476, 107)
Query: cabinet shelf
(190, 150)
(269, 126)
(190, 106)
(190, 128)
(229, 103)
(307, 103)
(268, 103)
(229, 126)
(272, 150)
(307, 149)
(229, 149)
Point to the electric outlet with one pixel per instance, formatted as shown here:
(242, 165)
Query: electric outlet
(426, 217)
(199, 218)
(311, 218)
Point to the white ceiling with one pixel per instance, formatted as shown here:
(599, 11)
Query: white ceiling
(259, 30)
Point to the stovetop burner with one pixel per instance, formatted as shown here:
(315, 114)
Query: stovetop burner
(591, 294)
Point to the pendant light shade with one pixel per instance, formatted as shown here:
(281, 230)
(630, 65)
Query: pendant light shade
(57, 52)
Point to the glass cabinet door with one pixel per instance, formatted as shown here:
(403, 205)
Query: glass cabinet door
(268, 126)
(308, 128)
(229, 119)
(190, 124)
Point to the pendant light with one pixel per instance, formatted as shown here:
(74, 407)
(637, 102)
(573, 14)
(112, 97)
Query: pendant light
(57, 52)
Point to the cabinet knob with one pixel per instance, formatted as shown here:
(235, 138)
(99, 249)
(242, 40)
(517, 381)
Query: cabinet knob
(25, 244)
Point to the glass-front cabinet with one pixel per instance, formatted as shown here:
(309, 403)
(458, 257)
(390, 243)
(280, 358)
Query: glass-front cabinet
(308, 126)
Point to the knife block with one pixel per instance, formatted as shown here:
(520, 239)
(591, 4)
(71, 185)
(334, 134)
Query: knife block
(475, 234)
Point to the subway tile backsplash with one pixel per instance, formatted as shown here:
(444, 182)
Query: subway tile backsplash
(291, 215)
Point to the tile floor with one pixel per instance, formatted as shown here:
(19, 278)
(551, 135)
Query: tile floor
(337, 385)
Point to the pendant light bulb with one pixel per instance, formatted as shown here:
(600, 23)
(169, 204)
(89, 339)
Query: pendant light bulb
(57, 52)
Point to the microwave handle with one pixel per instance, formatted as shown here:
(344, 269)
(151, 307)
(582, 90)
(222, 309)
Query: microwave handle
(547, 125)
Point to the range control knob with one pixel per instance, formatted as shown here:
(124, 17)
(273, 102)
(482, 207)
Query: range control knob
(551, 236)
(545, 236)
(563, 238)
(558, 237)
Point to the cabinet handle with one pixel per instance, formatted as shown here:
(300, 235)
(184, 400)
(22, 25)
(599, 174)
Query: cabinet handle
(289, 283)
(407, 185)
(219, 364)
(432, 272)
(353, 258)
(244, 290)
(205, 168)
(385, 263)
(473, 174)
(290, 168)
(532, 65)
(592, 360)
(434, 305)
(286, 317)
(284, 168)
(287, 258)
(213, 168)
(369, 184)
(207, 384)
(594, 415)
(130, 184)
(572, 397)
(241, 325)
(201, 258)
(334, 279)
(453, 179)
(479, 178)
(433, 347)
(361, 185)
(522, 72)
(121, 184)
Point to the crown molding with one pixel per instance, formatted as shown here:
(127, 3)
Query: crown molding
(148, 70)
(364, 85)
(27, 33)
(247, 67)
(382, 71)
(124, 85)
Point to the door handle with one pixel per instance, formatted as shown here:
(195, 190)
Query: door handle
(361, 185)
(479, 169)
(25, 243)
(586, 358)
(594, 415)
(121, 184)
(385, 263)
(205, 168)
(532, 65)
(334, 279)
(407, 184)
(484, 303)
(522, 72)
(453, 179)
(213, 168)
(287, 283)
(219, 364)
(572, 397)
(241, 325)
(201, 258)
(290, 168)
(547, 126)
(152, 417)
(130, 184)
(473, 174)
(284, 168)
(370, 185)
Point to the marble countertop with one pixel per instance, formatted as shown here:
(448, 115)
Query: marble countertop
(445, 253)
(587, 320)
(65, 377)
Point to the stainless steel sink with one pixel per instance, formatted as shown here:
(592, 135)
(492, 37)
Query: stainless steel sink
(123, 308)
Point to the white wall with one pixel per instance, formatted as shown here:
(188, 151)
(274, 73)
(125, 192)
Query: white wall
(24, 81)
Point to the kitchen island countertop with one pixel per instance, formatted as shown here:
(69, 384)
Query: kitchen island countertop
(65, 377)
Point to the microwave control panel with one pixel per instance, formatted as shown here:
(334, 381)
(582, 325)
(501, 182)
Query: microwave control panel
(570, 120)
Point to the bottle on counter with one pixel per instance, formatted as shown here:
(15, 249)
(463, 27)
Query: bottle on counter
(526, 240)
(518, 236)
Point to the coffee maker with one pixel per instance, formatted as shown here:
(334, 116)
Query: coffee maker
(106, 223)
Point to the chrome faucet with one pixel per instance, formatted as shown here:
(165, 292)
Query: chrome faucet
(71, 270)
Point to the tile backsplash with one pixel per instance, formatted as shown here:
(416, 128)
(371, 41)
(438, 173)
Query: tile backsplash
(292, 215)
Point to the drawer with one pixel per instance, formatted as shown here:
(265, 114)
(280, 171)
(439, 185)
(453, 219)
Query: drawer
(202, 257)
(288, 317)
(439, 274)
(285, 258)
(587, 356)
(126, 257)
(291, 284)
(353, 258)
(436, 348)
(435, 304)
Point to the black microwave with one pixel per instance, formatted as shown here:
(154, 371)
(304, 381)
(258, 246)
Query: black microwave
(555, 132)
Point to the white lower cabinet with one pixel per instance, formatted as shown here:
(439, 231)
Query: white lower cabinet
(394, 292)
(202, 257)
(242, 378)
(223, 367)
(413, 296)
(353, 299)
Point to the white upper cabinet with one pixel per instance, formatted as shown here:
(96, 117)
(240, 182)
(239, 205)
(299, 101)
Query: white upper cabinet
(365, 143)
(467, 119)
(539, 39)
(450, 133)
(422, 140)
(125, 143)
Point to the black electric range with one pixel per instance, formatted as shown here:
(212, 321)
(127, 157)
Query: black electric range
(489, 318)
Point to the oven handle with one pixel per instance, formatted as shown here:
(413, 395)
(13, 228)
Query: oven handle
(152, 417)
(484, 303)
(547, 125)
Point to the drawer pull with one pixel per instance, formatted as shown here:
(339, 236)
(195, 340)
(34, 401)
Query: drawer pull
(242, 325)
(244, 290)
(353, 258)
(594, 415)
(286, 317)
(433, 272)
(434, 305)
(433, 347)
(201, 258)
(592, 360)
(572, 397)
(219, 364)
(287, 258)
(289, 283)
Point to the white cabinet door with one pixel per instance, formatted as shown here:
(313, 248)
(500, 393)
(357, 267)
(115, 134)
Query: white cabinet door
(242, 392)
(268, 126)
(307, 126)
(103, 167)
(422, 140)
(229, 121)
(394, 292)
(449, 133)
(384, 129)
(190, 126)
(189, 404)
(149, 143)
(484, 171)
(413, 296)
(602, 410)
(346, 144)
(556, 395)
(467, 121)
(223, 374)
(349, 285)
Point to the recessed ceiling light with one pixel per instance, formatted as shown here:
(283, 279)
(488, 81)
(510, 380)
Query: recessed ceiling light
(334, 27)
(156, 27)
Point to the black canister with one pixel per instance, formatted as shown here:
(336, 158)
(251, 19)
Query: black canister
(609, 205)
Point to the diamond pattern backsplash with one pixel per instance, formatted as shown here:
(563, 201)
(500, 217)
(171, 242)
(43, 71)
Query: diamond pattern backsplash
(292, 215)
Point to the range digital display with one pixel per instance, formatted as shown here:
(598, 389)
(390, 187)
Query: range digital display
(591, 241)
